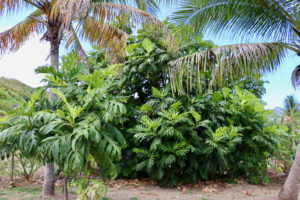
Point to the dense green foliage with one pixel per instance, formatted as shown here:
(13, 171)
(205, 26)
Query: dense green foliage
(212, 133)
(175, 109)
(18, 130)
(76, 130)
(124, 120)
(215, 135)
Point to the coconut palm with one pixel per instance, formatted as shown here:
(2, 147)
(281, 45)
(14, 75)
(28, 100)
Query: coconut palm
(288, 115)
(243, 18)
(72, 20)
(289, 112)
(274, 20)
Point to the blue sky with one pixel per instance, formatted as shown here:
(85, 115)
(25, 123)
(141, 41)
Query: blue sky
(279, 85)
(21, 65)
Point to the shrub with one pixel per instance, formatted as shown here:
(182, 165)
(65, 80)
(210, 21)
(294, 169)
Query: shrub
(214, 135)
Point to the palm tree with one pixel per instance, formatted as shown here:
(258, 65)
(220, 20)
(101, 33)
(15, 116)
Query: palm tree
(276, 20)
(243, 18)
(72, 20)
(289, 112)
(288, 116)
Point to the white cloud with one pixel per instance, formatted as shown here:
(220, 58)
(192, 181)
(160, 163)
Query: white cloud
(21, 64)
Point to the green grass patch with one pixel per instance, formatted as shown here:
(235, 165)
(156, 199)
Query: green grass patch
(20, 193)
(32, 191)
(189, 191)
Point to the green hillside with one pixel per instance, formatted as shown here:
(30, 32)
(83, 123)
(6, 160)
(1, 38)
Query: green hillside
(10, 91)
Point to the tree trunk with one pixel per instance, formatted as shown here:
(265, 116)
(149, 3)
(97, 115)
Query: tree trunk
(291, 187)
(66, 197)
(12, 167)
(54, 50)
(54, 38)
(48, 186)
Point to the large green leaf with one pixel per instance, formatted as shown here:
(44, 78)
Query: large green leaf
(147, 45)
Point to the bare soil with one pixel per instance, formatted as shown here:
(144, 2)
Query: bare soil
(147, 190)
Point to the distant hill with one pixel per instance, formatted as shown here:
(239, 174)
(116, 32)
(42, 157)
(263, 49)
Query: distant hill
(12, 88)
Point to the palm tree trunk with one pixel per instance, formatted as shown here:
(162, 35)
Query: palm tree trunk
(291, 187)
(49, 179)
(54, 50)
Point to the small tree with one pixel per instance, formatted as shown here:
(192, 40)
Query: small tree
(56, 19)
(6, 122)
(82, 135)
(18, 130)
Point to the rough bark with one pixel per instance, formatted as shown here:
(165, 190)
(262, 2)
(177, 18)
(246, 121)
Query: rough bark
(48, 186)
(291, 187)
(54, 46)
(54, 39)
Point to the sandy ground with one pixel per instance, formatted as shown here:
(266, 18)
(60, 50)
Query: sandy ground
(235, 191)
(150, 192)
(145, 190)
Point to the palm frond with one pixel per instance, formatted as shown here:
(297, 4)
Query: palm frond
(68, 10)
(104, 35)
(16, 6)
(13, 38)
(107, 12)
(12, 6)
(72, 41)
(150, 6)
(98, 32)
(291, 104)
(296, 76)
(226, 64)
(264, 18)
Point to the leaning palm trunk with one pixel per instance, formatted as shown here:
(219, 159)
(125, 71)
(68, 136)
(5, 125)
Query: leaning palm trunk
(54, 39)
(291, 187)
